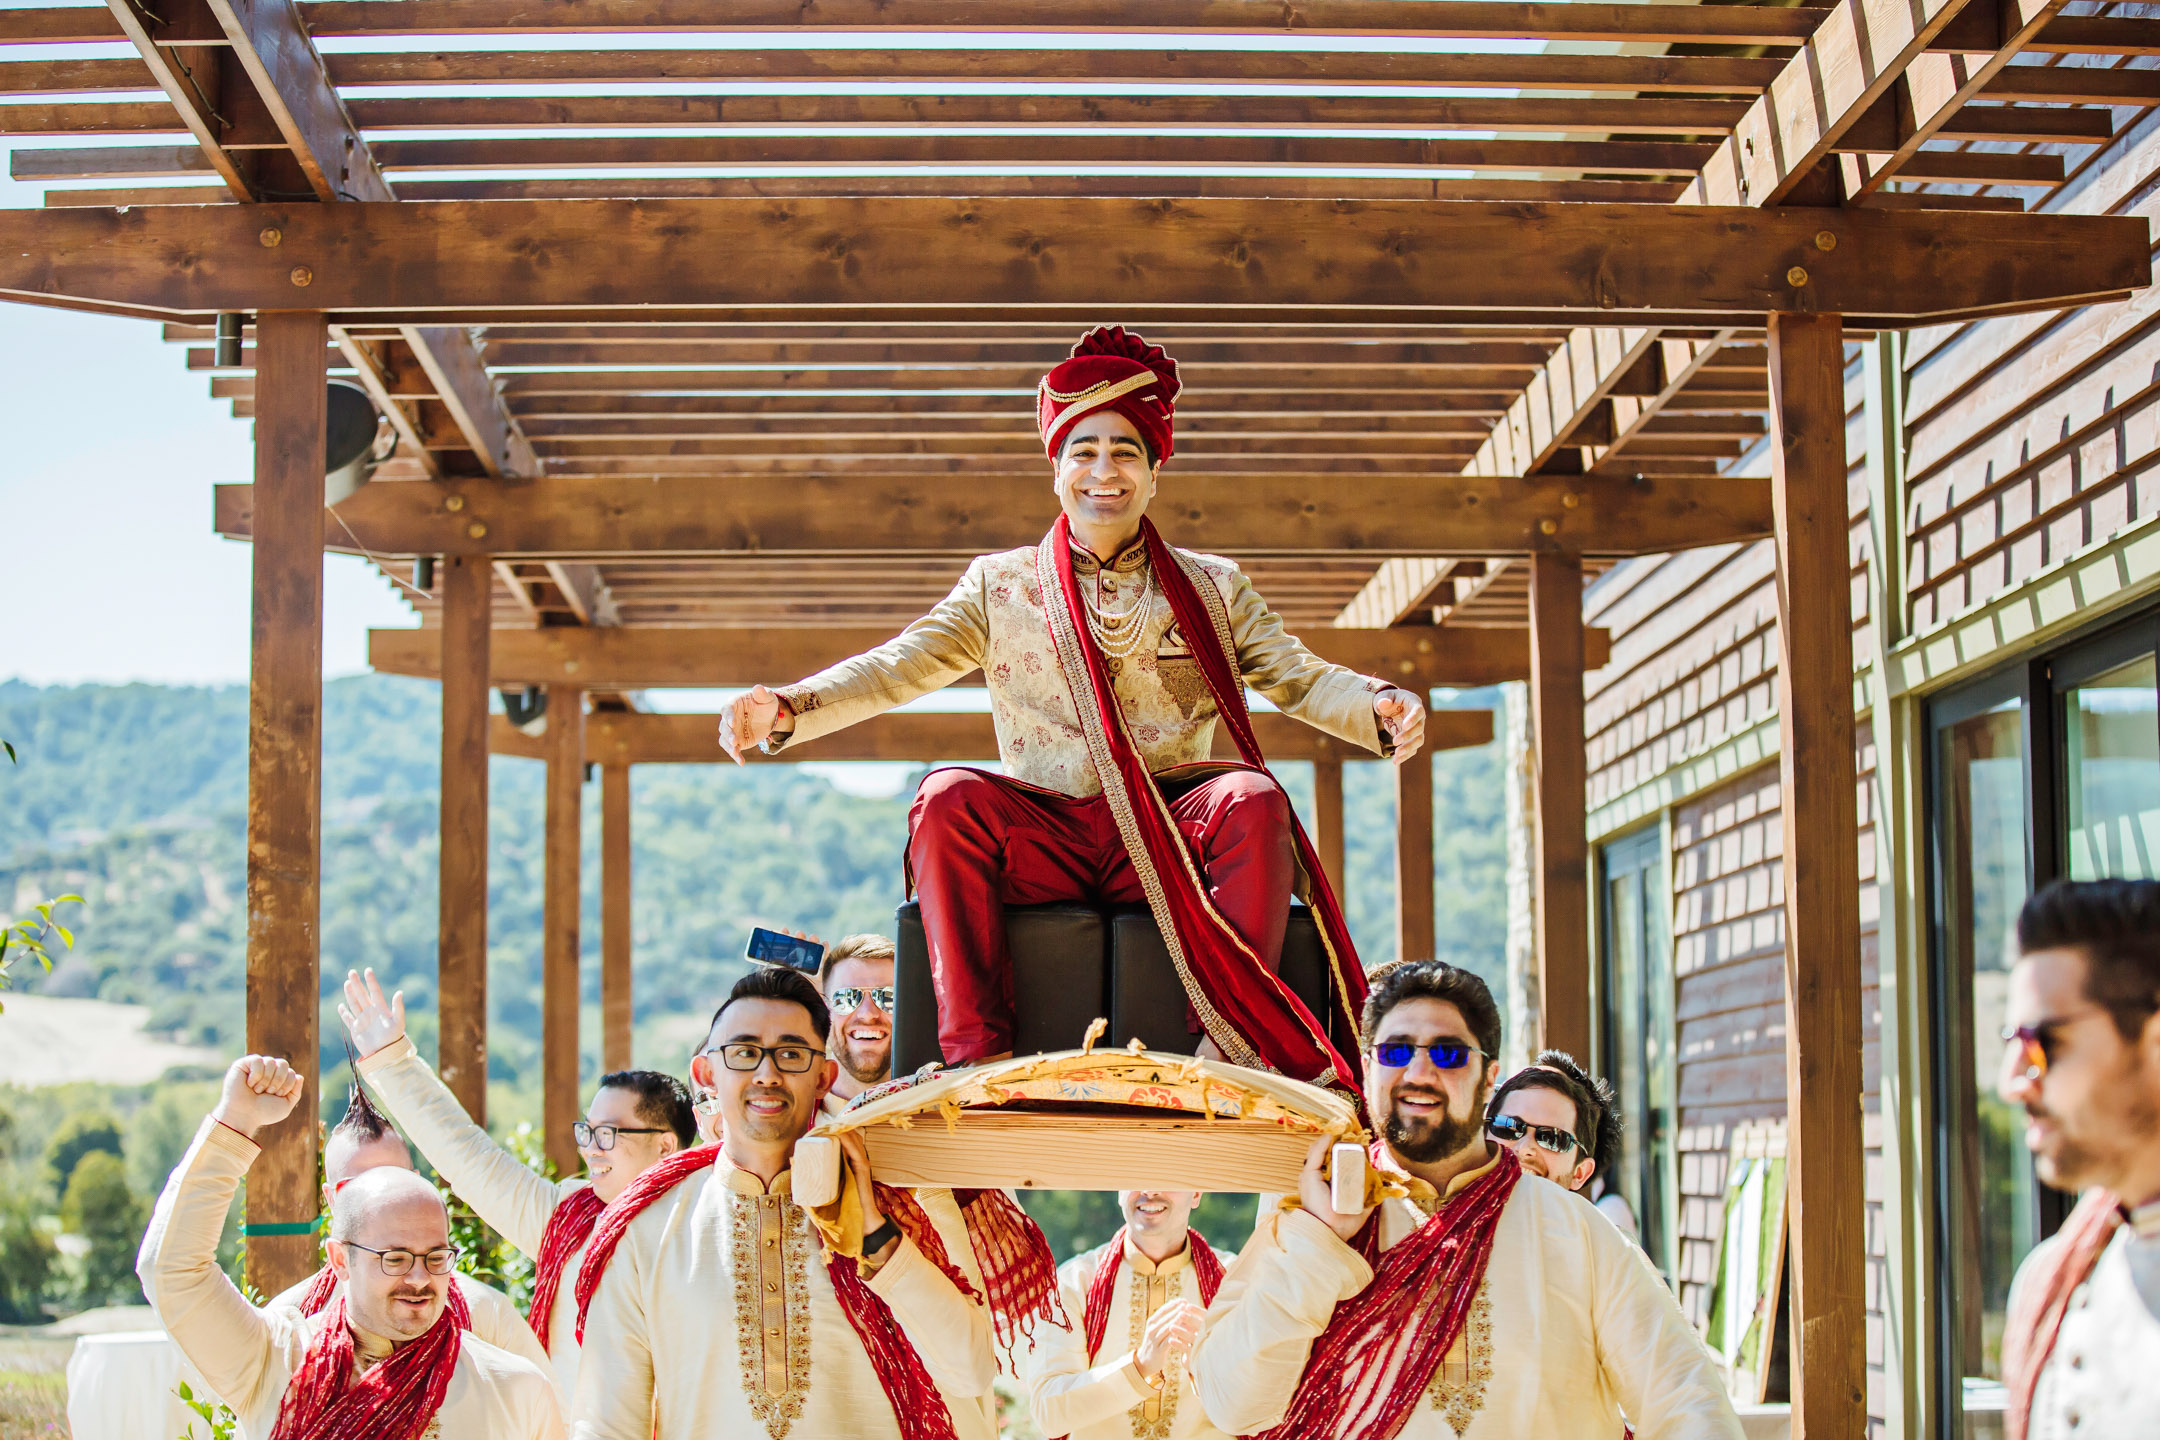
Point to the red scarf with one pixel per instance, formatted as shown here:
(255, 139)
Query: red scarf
(1406, 1320)
(324, 1287)
(1207, 1269)
(1243, 1005)
(568, 1228)
(914, 1396)
(393, 1401)
(2036, 1317)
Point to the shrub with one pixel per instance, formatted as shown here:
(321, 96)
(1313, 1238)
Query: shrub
(27, 1258)
(101, 1208)
(86, 1132)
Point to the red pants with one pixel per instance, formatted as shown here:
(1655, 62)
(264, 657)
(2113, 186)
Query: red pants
(978, 842)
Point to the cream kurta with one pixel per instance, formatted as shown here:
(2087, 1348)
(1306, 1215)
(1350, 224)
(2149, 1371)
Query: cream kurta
(716, 1320)
(1570, 1328)
(1108, 1399)
(993, 621)
(514, 1201)
(248, 1356)
(2098, 1381)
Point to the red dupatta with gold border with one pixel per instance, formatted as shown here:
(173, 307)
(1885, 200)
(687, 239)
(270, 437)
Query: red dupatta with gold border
(1253, 1018)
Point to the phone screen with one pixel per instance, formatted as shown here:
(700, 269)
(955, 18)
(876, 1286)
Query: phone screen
(772, 947)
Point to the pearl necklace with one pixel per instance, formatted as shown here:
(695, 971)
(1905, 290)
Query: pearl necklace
(1123, 644)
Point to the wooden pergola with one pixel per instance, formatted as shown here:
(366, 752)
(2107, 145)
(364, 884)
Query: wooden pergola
(711, 363)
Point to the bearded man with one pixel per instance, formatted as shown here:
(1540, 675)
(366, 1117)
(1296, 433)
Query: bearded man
(1110, 658)
(362, 1141)
(1120, 1373)
(2081, 1342)
(388, 1359)
(1480, 1306)
(637, 1119)
(857, 981)
(712, 1306)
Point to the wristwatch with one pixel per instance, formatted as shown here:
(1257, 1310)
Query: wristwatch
(879, 1238)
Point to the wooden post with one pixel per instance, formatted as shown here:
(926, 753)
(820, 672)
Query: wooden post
(1825, 1154)
(467, 585)
(1563, 883)
(1413, 858)
(615, 1005)
(284, 841)
(1328, 820)
(559, 923)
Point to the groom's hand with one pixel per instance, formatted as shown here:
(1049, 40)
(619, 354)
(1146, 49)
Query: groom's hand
(750, 719)
(1402, 715)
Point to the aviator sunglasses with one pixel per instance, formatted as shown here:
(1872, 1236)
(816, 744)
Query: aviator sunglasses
(2034, 1045)
(849, 998)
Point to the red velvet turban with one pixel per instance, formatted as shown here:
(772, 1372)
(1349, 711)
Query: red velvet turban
(1110, 369)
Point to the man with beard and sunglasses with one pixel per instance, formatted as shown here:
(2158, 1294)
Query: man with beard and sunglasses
(1472, 1307)
(857, 981)
(2081, 1058)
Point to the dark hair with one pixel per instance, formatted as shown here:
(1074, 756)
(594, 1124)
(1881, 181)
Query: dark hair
(1434, 980)
(361, 1123)
(777, 982)
(2115, 924)
(1597, 1112)
(661, 1100)
(854, 947)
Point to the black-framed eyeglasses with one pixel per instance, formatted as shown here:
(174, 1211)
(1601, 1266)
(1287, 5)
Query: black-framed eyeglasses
(1550, 1138)
(2035, 1044)
(787, 1059)
(1444, 1054)
(602, 1137)
(849, 998)
(438, 1261)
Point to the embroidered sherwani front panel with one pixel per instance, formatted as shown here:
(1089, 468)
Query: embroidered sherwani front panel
(994, 621)
(717, 1320)
(1104, 1397)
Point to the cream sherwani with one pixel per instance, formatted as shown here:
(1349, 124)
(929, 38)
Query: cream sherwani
(993, 621)
(248, 1356)
(2098, 1383)
(1570, 1328)
(1106, 1398)
(716, 1320)
(514, 1201)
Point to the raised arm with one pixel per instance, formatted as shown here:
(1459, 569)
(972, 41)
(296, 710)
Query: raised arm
(930, 654)
(1658, 1368)
(236, 1347)
(1274, 1303)
(498, 1186)
(1328, 696)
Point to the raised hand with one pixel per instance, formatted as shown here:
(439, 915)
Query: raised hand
(1171, 1332)
(1313, 1193)
(748, 720)
(259, 1090)
(372, 1021)
(1402, 715)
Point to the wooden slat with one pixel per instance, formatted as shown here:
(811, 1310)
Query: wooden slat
(73, 77)
(125, 117)
(400, 259)
(197, 82)
(60, 25)
(1818, 779)
(284, 840)
(1414, 909)
(617, 1010)
(1332, 187)
(559, 924)
(1398, 590)
(1563, 851)
(649, 657)
(930, 374)
(2073, 84)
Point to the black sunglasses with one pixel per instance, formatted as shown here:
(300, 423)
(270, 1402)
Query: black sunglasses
(1444, 1054)
(1550, 1138)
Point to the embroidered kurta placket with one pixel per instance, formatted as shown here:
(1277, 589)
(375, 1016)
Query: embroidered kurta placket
(1155, 1285)
(770, 1239)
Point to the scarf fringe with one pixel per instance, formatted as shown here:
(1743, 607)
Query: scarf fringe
(1018, 1268)
(569, 1227)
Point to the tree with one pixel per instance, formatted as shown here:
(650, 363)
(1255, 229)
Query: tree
(84, 1133)
(27, 1257)
(101, 1208)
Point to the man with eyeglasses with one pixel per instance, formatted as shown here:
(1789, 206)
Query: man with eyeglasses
(1563, 1123)
(363, 1141)
(1464, 1306)
(637, 1118)
(857, 979)
(714, 1308)
(388, 1359)
(2081, 1058)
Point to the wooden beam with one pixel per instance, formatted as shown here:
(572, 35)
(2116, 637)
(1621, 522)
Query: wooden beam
(931, 737)
(1563, 883)
(1818, 779)
(467, 588)
(600, 257)
(688, 515)
(616, 1010)
(1399, 591)
(1327, 836)
(645, 657)
(284, 843)
(559, 941)
(1414, 922)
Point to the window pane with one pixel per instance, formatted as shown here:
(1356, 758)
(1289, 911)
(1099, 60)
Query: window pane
(1994, 1209)
(2111, 736)
(1635, 1033)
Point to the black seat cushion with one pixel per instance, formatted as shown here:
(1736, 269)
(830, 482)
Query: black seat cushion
(1147, 1000)
(1060, 984)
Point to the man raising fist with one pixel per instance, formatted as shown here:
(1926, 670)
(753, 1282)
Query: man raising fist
(388, 1359)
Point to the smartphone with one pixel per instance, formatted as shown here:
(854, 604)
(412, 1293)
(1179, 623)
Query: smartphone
(774, 947)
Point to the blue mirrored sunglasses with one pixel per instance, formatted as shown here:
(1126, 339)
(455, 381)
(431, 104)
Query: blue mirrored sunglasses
(1446, 1055)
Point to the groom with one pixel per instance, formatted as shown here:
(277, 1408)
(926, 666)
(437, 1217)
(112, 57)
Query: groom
(1110, 657)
